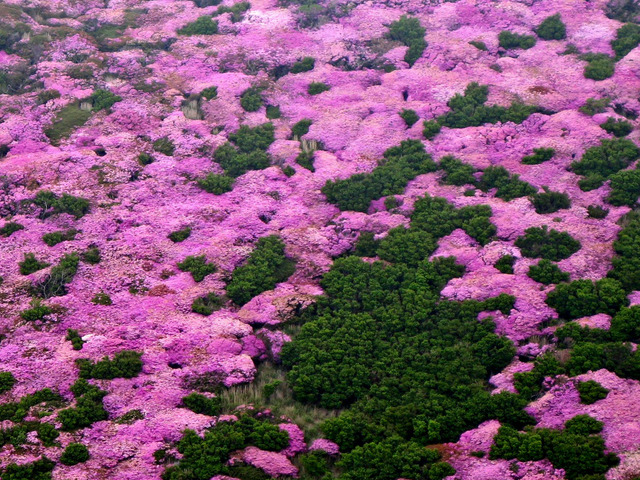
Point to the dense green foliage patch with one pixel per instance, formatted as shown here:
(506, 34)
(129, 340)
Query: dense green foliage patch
(540, 242)
(125, 364)
(410, 33)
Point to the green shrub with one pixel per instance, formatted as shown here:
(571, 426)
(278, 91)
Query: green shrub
(37, 311)
(622, 10)
(273, 112)
(305, 160)
(410, 117)
(81, 72)
(210, 93)
(509, 40)
(47, 434)
(237, 11)
(7, 381)
(251, 100)
(54, 238)
(316, 88)
(625, 325)
(216, 184)
(206, 304)
(131, 417)
(165, 146)
(552, 28)
(10, 228)
(45, 95)
(125, 364)
(400, 165)
(539, 242)
(31, 264)
(625, 188)
(74, 454)
(547, 273)
(249, 139)
(582, 298)
(50, 204)
(197, 266)
(409, 246)
(67, 119)
(479, 45)
(593, 106)
(596, 211)
(599, 66)
(550, 202)
(410, 33)
(54, 284)
(304, 65)
(626, 263)
(74, 337)
(591, 391)
(300, 128)
(602, 161)
(180, 235)
(505, 264)
(103, 99)
(38, 470)
(199, 403)
(508, 186)
(145, 159)
(540, 155)
(267, 266)
(88, 410)
(92, 256)
(431, 129)
(627, 38)
(101, 298)
(202, 26)
(289, 171)
(618, 128)
(456, 172)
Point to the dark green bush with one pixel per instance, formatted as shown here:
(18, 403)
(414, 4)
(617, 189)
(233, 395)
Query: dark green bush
(267, 265)
(431, 129)
(399, 165)
(410, 117)
(216, 184)
(199, 403)
(38, 470)
(602, 161)
(456, 172)
(125, 364)
(10, 228)
(593, 106)
(582, 298)
(31, 264)
(627, 38)
(626, 263)
(37, 311)
(505, 264)
(289, 171)
(54, 238)
(625, 188)
(547, 273)
(74, 337)
(45, 95)
(81, 72)
(409, 246)
(103, 99)
(7, 381)
(273, 112)
(316, 88)
(67, 119)
(197, 266)
(618, 128)
(509, 40)
(50, 203)
(202, 26)
(145, 159)
(540, 242)
(552, 28)
(540, 155)
(300, 128)
(88, 409)
(210, 93)
(599, 66)
(74, 454)
(248, 139)
(596, 211)
(305, 160)
(180, 235)
(508, 186)
(54, 284)
(101, 298)
(165, 146)
(550, 202)
(625, 325)
(410, 33)
(304, 65)
(251, 100)
(623, 10)
(206, 304)
(236, 10)
(591, 391)
(479, 45)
